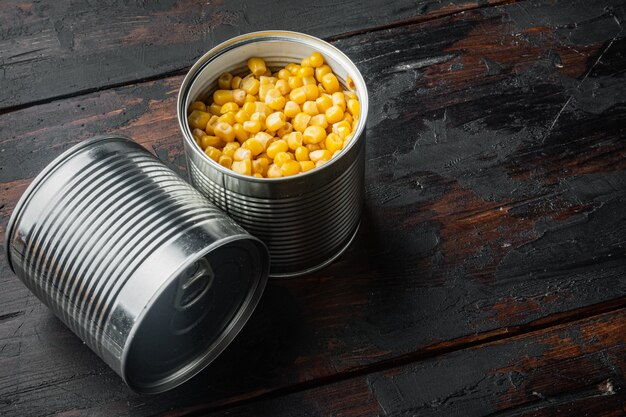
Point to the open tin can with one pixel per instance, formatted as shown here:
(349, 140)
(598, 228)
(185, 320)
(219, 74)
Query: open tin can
(147, 272)
(306, 220)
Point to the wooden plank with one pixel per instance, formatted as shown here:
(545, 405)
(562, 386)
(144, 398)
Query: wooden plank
(573, 370)
(496, 177)
(59, 48)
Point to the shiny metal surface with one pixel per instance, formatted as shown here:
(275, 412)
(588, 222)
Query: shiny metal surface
(306, 220)
(147, 272)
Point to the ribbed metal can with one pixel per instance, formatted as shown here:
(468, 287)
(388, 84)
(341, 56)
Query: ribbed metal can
(306, 220)
(146, 271)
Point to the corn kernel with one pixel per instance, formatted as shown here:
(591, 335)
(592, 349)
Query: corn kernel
(320, 163)
(224, 81)
(321, 155)
(254, 146)
(282, 157)
(210, 126)
(197, 105)
(347, 117)
(302, 153)
(198, 133)
(321, 71)
(249, 107)
(227, 118)
(354, 107)
(267, 80)
(291, 109)
(198, 119)
(265, 139)
(284, 74)
(228, 107)
(235, 83)
(310, 80)
(260, 165)
(290, 168)
(252, 126)
(298, 95)
(250, 85)
(330, 83)
(213, 153)
(311, 91)
(240, 133)
(313, 134)
(339, 100)
(242, 116)
(249, 98)
(257, 175)
(275, 100)
(261, 107)
(306, 72)
(263, 89)
(305, 62)
(324, 102)
(230, 148)
(224, 131)
(283, 87)
(275, 121)
(260, 117)
(350, 83)
(242, 167)
(221, 97)
(316, 59)
(294, 140)
(334, 114)
(319, 120)
(342, 129)
(285, 130)
(306, 165)
(350, 95)
(313, 147)
(242, 154)
(310, 108)
(273, 171)
(333, 142)
(289, 67)
(208, 140)
(301, 121)
(215, 109)
(277, 147)
(257, 66)
(294, 82)
(225, 161)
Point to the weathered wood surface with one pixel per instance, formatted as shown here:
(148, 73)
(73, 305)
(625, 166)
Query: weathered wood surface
(495, 204)
(56, 48)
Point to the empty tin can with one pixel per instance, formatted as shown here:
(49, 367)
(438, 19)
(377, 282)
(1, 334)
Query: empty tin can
(306, 220)
(146, 271)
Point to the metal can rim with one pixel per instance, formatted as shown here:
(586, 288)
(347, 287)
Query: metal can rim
(267, 35)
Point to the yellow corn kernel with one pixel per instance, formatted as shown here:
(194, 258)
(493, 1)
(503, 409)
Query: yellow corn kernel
(276, 147)
(263, 89)
(224, 131)
(306, 72)
(320, 163)
(215, 109)
(310, 108)
(208, 140)
(228, 107)
(210, 126)
(321, 71)
(339, 100)
(333, 142)
(198, 119)
(310, 80)
(225, 80)
(274, 99)
(302, 153)
(267, 73)
(264, 138)
(221, 97)
(261, 107)
(330, 83)
(252, 126)
(282, 157)
(213, 153)
(242, 167)
(301, 121)
(321, 155)
(305, 62)
(283, 87)
(267, 80)
(316, 59)
(285, 130)
(350, 95)
(242, 116)
(283, 74)
(249, 107)
(294, 140)
(230, 148)
(275, 121)
(354, 107)
(254, 146)
(241, 134)
(311, 91)
(342, 129)
(313, 147)
(294, 82)
(273, 171)
(197, 105)
(290, 66)
(323, 102)
(225, 160)
(257, 66)
(350, 83)
(291, 109)
(298, 95)
(198, 133)
(290, 168)
(306, 165)
(242, 154)
(249, 99)
(227, 118)
(260, 165)
(334, 114)
(250, 85)
(235, 83)
(313, 134)
(319, 120)
(239, 97)
(347, 117)
(260, 117)
(257, 175)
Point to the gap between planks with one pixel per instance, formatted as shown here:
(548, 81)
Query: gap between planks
(473, 341)
(183, 70)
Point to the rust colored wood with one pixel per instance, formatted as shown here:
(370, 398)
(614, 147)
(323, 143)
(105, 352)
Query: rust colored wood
(495, 205)
(58, 48)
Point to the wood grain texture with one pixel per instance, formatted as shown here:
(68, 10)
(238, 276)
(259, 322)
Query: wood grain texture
(57, 48)
(573, 370)
(496, 187)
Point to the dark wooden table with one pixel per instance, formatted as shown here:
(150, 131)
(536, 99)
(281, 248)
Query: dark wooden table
(489, 275)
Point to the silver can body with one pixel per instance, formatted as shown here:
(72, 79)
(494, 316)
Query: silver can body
(149, 274)
(306, 220)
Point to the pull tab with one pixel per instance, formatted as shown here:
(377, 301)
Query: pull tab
(199, 278)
